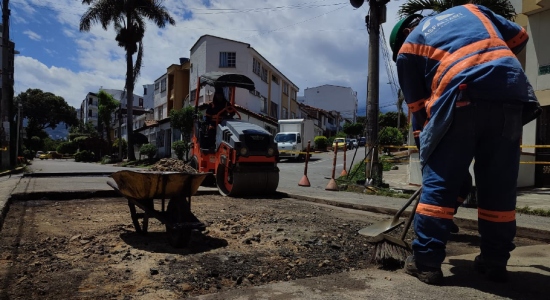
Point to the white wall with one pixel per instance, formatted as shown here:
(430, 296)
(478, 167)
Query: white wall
(330, 97)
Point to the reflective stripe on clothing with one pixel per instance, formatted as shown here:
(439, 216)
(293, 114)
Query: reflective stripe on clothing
(496, 216)
(435, 211)
(417, 106)
(518, 39)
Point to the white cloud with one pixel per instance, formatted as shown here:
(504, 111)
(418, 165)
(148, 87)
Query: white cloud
(311, 42)
(32, 35)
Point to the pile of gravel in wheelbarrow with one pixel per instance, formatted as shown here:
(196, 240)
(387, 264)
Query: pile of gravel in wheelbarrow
(172, 165)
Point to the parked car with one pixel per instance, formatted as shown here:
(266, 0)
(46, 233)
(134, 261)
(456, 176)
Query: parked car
(354, 143)
(38, 153)
(362, 141)
(340, 142)
(50, 154)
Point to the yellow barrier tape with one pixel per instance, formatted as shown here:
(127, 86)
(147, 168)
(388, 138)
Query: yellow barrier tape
(521, 162)
(414, 147)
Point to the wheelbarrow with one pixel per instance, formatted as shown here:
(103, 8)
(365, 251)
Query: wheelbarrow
(141, 188)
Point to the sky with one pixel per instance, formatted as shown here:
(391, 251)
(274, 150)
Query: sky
(312, 42)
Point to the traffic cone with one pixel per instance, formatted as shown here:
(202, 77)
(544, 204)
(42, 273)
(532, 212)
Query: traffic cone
(305, 181)
(332, 186)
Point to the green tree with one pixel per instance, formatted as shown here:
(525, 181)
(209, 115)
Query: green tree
(107, 106)
(389, 119)
(391, 136)
(183, 119)
(44, 110)
(500, 7)
(354, 129)
(128, 18)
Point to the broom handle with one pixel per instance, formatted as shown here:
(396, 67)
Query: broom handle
(411, 199)
(411, 217)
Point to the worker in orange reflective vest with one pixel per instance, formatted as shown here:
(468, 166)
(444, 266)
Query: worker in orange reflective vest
(469, 98)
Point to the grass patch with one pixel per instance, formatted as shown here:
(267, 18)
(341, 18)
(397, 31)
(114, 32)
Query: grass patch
(535, 212)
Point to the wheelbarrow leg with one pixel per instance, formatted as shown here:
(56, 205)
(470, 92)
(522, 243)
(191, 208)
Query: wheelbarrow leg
(150, 205)
(134, 216)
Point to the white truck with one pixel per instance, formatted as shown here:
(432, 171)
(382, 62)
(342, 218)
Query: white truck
(293, 137)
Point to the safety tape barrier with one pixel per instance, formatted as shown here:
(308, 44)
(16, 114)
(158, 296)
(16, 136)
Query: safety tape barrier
(418, 161)
(414, 147)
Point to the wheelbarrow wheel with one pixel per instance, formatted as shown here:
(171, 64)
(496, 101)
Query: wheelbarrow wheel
(177, 213)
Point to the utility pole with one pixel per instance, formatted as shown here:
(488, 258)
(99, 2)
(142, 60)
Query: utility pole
(5, 102)
(376, 17)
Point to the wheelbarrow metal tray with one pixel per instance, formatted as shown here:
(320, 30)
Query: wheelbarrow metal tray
(142, 185)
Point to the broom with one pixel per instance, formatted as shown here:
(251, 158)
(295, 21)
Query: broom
(390, 251)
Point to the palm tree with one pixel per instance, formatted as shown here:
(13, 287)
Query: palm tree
(500, 7)
(128, 18)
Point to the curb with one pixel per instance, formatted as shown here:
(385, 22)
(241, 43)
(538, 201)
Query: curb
(76, 174)
(524, 232)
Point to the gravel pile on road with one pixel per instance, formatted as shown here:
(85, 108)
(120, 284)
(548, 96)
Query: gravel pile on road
(172, 165)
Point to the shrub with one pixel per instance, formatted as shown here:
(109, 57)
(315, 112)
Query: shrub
(67, 148)
(84, 156)
(391, 136)
(321, 142)
(181, 148)
(148, 149)
(28, 154)
(124, 147)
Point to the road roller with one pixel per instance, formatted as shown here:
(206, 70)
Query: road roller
(241, 156)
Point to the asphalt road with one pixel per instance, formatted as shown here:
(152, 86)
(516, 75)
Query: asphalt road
(319, 168)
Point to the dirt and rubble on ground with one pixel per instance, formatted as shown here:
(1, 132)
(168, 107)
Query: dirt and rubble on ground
(89, 248)
(172, 165)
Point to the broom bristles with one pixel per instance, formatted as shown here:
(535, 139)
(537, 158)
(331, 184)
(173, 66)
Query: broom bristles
(387, 253)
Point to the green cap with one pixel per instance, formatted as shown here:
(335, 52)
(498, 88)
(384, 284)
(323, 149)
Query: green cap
(396, 37)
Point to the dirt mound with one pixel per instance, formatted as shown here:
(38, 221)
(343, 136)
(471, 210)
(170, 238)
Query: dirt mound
(172, 165)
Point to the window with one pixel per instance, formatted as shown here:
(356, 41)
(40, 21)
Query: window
(159, 113)
(274, 110)
(141, 102)
(256, 66)
(285, 113)
(192, 96)
(293, 95)
(263, 105)
(293, 115)
(156, 86)
(285, 88)
(264, 74)
(144, 90)
(163, 84)
(228, 59)
(275, 79)
(91, 101)
(89, 113)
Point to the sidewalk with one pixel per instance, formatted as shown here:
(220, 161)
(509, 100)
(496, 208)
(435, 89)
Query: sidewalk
(529, 266)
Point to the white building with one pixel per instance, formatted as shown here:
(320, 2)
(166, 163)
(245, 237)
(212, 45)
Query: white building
(89, 109)
(275, 95)
(333, 98)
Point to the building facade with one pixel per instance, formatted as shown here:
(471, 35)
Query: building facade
(534, 16)
(333, 98)
(275, 96)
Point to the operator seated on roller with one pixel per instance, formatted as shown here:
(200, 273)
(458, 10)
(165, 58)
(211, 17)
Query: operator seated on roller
(218, 104)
